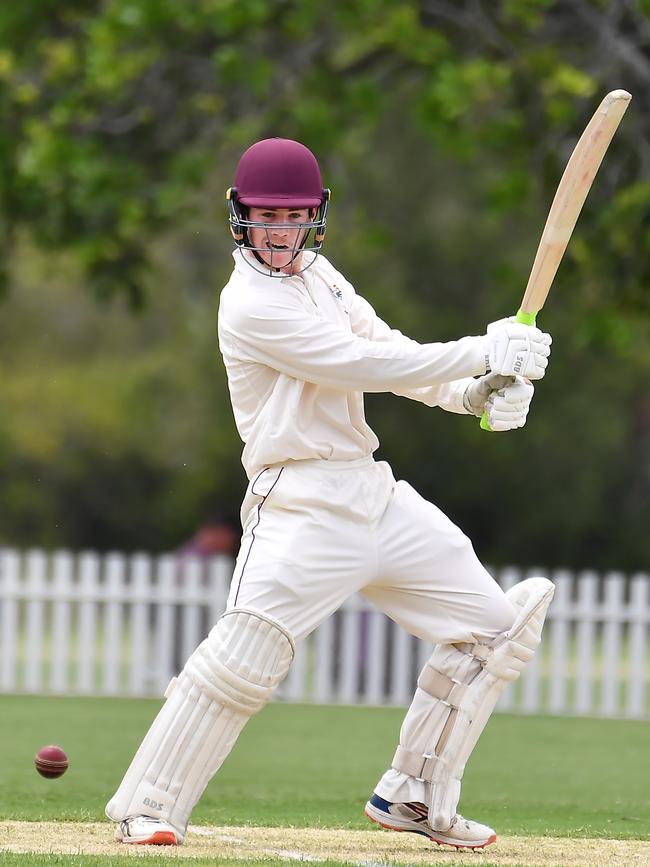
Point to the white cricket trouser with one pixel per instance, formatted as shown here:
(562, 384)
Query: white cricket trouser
(316, 532)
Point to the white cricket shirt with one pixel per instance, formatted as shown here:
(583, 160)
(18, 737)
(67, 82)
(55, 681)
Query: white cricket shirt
(300, 352)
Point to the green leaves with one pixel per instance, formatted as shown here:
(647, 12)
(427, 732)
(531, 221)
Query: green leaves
(443, 128)
(107, 106)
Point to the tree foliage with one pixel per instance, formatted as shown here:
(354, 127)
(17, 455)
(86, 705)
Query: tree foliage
(443, 128)
(111, 112)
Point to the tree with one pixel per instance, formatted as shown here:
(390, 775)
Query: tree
(443, 128)
(113, 112)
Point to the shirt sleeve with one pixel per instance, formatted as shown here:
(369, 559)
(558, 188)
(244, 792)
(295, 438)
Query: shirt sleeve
(446, 395)
(277, 329)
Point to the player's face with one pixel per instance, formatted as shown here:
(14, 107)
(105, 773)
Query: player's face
(276, 244)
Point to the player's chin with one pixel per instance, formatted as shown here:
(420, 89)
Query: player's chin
(282, 261)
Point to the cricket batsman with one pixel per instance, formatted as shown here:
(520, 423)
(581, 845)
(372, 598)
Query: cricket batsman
(322, 519)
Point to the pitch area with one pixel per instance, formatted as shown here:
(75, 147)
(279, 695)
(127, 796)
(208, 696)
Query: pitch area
(37, 842)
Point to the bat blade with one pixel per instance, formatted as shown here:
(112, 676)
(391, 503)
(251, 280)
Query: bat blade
(571, 193)
(569, 198)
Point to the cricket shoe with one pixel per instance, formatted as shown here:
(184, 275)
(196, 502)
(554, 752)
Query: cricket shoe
(413, 816)
(145, 830)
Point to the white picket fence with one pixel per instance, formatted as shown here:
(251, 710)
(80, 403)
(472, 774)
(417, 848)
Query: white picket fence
(115, 625)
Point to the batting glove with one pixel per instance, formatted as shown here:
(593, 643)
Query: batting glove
(513, 349)
(505, 399)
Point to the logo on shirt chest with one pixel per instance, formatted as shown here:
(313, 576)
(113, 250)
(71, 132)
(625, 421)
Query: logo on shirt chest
(337, 294)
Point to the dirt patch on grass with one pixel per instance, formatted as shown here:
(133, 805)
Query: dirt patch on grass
(362, 848)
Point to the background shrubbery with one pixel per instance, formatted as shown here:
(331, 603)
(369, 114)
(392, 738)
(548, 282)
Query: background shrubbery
(443, 129)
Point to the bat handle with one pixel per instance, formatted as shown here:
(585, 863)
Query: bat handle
(524, 319)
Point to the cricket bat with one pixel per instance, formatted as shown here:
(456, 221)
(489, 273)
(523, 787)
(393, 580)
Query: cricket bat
(571, 193)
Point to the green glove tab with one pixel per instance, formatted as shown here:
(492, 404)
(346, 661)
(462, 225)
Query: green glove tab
(485, 424)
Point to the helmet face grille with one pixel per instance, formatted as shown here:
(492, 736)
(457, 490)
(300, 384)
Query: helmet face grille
(312, 241)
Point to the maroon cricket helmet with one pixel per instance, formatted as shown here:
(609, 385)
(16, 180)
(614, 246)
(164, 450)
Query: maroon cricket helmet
(279, 173)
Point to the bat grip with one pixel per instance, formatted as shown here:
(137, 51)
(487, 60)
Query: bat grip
(524, 319)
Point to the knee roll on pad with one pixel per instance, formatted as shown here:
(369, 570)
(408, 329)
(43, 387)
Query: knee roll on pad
(242, 660)
(458, 690)
(228, 678)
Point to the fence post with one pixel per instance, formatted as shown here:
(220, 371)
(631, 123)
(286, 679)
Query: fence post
(9, 588)
(637, 646)
(139, 592)
(612, 614)
(189, 589)
(86, 645)
(114, 590)
(558, 628)
(324, 661)
(35, 566)
(164, 629)
(349, 657)
(585, 641)
(62, 567)
(377, 655)
(401, 687)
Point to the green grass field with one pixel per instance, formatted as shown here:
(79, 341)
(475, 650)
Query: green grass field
(308, 766)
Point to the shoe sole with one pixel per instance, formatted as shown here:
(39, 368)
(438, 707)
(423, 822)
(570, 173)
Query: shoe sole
(160, 838)
(458, 844)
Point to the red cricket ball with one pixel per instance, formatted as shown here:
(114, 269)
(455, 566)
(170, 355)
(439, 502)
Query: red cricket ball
(51, 762)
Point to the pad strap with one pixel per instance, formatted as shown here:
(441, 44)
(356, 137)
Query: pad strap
(457, 691)
(414, 764)
(438, 685)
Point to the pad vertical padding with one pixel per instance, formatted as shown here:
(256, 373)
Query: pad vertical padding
(457, 691)
(510, 654)
(230, 676)
(442, 689)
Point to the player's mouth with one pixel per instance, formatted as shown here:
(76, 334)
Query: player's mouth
(278, 247)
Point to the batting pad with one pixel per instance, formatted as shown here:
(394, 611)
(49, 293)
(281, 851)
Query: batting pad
(228, 678)
(457, 691)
